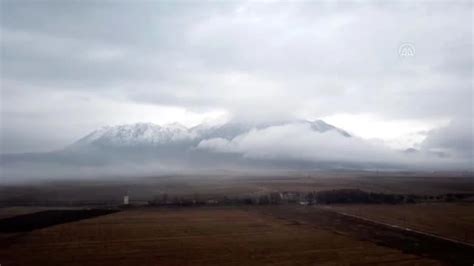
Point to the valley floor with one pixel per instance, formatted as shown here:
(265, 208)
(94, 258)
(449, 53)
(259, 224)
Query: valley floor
(450, 220)
(285, 234)
(197, 236)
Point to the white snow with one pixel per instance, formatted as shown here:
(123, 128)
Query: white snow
(141, 134)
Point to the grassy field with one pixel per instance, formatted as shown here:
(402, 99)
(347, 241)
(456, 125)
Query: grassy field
(195, 236)
(452, 220)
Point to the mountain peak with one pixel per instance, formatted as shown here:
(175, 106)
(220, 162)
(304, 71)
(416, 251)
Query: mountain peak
(136, 134)
(321, 126)
(149, 134)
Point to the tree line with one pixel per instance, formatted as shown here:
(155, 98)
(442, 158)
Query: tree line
(346, 196)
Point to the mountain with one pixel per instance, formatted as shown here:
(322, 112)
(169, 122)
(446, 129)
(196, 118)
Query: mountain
(139, 134)
(150, 149)
(172, 147)
(152, 135)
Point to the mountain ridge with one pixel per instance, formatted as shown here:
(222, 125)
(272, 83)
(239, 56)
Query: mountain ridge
(178, 147)
(142, 134)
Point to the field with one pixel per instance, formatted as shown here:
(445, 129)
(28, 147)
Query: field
(452, 220)
(406, 240)
(58, 228)
(195, 236)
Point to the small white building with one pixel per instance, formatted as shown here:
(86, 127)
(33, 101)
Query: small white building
(126, 200)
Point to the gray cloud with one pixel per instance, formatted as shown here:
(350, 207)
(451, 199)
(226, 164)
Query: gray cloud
(67, 66)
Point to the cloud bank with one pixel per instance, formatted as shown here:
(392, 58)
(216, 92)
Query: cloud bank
(68, 68)
(298, 142)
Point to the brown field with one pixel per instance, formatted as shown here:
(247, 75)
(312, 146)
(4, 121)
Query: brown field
(452, 220)
(195, 236)
(253, 235)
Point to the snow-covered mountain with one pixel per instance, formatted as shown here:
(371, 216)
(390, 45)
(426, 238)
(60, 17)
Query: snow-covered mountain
(139, 134)
(146, 148)
(152, 135)
(173, 147)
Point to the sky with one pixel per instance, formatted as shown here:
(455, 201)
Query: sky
(396, 72)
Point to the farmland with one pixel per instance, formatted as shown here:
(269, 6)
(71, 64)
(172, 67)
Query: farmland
(239, 220)
(195, 236)
(452, 220)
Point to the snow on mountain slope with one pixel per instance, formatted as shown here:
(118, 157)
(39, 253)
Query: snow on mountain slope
(283, 145)
(148, 134)
(137, 134)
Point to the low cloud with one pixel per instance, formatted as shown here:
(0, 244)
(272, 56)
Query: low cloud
(294, 146)
(455, 140)
(298, 142)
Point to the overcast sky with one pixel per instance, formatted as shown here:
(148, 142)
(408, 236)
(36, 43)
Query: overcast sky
(69, 67)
